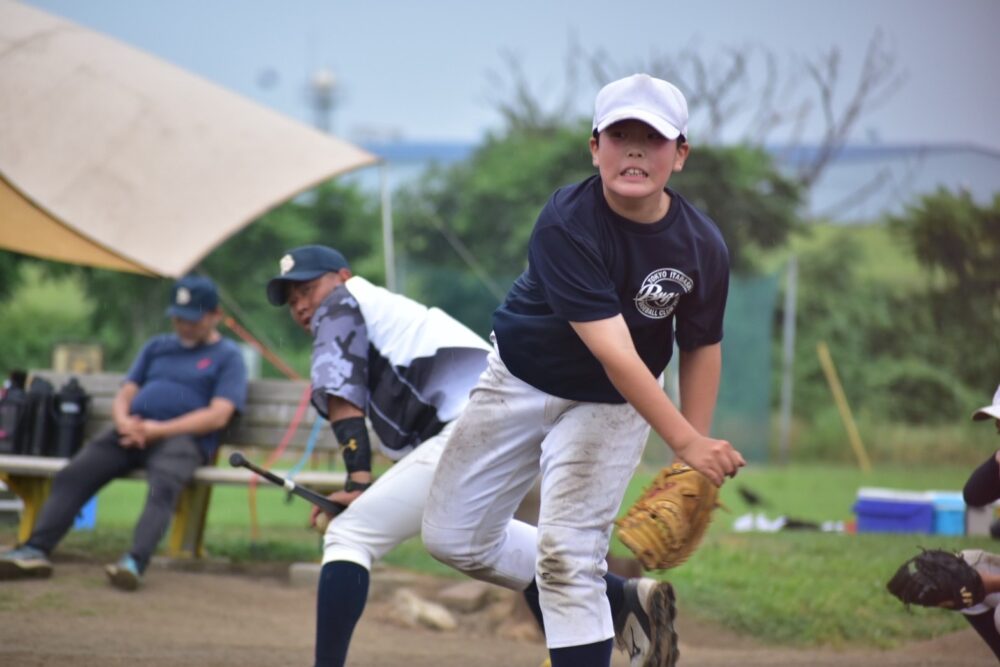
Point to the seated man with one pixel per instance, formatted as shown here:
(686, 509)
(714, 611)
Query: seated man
(181, 390)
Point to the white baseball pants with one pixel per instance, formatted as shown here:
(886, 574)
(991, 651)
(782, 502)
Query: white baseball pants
(389, 512)
(586, 454)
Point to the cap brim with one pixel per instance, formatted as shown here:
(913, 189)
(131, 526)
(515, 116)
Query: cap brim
(989, 412)
(657, 123)
(189, 314)
(277, 294)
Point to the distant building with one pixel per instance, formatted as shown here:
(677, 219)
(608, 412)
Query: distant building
(861, 184)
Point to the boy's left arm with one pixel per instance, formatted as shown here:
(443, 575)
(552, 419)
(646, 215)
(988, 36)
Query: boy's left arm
(698, 375)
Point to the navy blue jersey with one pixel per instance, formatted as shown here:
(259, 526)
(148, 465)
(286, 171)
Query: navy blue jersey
(410, 368)
(175, 380)
(587, 263)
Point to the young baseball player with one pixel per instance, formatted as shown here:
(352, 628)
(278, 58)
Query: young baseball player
(619, 267)
(405, 367)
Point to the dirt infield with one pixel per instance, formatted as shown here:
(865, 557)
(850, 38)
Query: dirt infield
(257, 619)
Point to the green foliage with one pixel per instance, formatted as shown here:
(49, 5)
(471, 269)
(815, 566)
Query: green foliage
(40, 314)
(753, 204)
(10, 274)
(908, 311)
(959, 242)
(490, 202)
(922, 393)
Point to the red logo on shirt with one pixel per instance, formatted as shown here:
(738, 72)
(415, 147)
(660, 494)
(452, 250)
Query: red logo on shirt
(204, 363)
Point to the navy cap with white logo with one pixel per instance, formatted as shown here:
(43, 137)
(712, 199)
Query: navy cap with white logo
(192, 297)
(302, 265)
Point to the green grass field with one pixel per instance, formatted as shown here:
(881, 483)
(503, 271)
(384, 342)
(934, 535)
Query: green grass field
(795, 588)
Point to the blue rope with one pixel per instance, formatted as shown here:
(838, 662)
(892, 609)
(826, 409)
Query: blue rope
(310, 445)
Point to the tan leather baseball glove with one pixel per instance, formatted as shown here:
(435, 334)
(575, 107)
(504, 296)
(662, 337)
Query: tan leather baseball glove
(667, 522)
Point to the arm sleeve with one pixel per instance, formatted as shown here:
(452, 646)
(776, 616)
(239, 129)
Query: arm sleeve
(231, 382)
(983, 486)
(340, 352)
(700, 313)
(573, 275)
(140, 367)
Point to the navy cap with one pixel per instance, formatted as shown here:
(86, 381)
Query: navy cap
(192, 297)
(302, 265)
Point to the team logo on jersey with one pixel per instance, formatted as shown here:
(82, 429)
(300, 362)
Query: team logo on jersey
(286, 264)
(661, 291)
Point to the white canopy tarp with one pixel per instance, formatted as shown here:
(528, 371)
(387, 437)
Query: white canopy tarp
(111, 157)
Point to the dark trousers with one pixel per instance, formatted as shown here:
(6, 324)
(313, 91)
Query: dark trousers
(169, 463)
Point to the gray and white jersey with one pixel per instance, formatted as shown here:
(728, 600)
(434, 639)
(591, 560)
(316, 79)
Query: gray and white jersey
(410, 368)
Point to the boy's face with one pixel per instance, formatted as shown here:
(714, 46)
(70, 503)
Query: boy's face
(635, 161)
(304, 298)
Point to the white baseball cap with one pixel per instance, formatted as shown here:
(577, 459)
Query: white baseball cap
(989, 411)
(642, 97)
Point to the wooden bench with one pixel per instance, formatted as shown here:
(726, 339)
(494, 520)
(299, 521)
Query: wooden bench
(271, 406)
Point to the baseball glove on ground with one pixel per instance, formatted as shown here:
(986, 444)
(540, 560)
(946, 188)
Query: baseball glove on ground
(668, 521)
(937, 578)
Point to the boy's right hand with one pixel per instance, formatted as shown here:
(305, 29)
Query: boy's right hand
(716, 459)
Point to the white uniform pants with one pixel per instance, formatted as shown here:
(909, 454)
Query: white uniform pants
(586, 454)
(389, 512)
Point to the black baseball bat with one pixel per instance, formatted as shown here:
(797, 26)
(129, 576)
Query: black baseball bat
(237, 460)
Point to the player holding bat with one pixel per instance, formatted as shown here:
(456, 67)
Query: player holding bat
(409, 370)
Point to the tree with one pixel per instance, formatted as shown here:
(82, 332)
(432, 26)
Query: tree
(959, 243)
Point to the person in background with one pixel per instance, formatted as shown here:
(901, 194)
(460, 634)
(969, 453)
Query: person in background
(181, 391)
(981, 489)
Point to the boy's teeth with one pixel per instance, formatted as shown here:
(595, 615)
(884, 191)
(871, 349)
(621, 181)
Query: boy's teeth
(633, 172)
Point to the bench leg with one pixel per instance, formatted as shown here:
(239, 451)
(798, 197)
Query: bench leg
(188, 528)
(33, 492)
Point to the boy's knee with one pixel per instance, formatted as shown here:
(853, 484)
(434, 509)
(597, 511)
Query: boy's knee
(452, 548)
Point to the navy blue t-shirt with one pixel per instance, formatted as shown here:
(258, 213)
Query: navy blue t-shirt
(587, 263)
(174, 380)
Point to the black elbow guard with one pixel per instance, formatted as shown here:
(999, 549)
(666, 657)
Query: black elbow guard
(352, 434)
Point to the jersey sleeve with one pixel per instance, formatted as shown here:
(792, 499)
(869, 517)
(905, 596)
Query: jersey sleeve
(340, 352)
(140, 366)
(231, 381)
(700, 313)
(573, 276)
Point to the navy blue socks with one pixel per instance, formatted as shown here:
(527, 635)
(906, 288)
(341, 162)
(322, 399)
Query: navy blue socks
(343, 592)
(597, 654)
(588, 654)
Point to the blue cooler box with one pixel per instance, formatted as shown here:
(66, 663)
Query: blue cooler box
(949, 512)
(891, 511)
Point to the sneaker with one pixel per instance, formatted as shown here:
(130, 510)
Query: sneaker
(124, 574)
(644, 627)
(24, 561)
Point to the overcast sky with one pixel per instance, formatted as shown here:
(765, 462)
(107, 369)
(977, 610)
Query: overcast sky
(419, 69)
